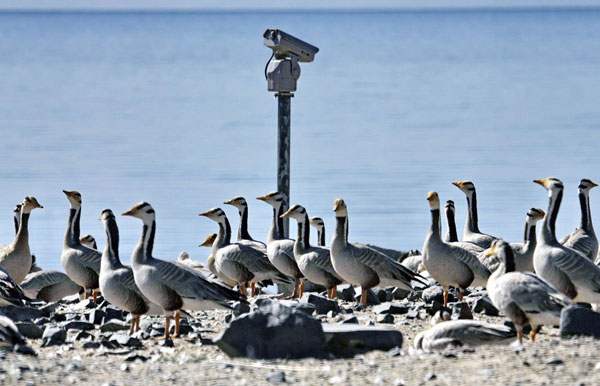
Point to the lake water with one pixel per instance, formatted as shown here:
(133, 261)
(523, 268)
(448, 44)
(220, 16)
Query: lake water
(172, 108)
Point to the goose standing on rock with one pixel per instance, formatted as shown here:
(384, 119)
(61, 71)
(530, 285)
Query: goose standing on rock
(451, 235)
(117, 282)
(567, 270)
(280, 250)
(314, 262)
(240, 262)
(319, 225)
(170, 285)
(584, 239)
(81, 264)
(522, 296)
(360, 265)
(16, 258)
(471, 232)
(450, 265)
(243, 236)
(89, 241)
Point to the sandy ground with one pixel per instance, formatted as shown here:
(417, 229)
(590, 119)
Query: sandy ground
(548, 361)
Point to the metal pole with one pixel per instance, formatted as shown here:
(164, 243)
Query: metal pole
(283, 152)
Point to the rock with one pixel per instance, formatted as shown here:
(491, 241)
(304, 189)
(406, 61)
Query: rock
(554, 361)
(390, 308)
(41, 321)
(85, 304)
(113, 312)
(113, 326)
(307, 308)
(91, 345)
(135, 357)
(372, 299)
(96, 316)
(166, 343)
(430, 377)
(399, 293)
(125, 340)
(53, 336)
(56, 317)
(351, 320)
(321, 303)
(82, 335)
(273, 331)
(385, 318)
(49, 308)
(278, 377)
(21, 314)
(261, 300)
(436, 293)
(184, 329)
(240, 308)
(29, 330)
(78, 325)
(24, 350)
(413, 313)
(460, 310)
(345, 292)
(436, 306)
(579, 320)
(382, 295)
(349, 339)
(484, 306)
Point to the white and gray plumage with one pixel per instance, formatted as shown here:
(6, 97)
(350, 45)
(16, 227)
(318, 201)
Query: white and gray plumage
(81, 264)
(360, 265)
(472, 233)
(280, 250)
(314, 262)
(240, 262)
(117, 282)
(170, 285)
(17, 221)
(9, 334)
(16, 258)
(450, 265)
(10, 292)
(319, 225)
(211, 264)
(522, 296)
(451, 234)
(50, 286)
(89, 241)
(567, 270)
(184, 258)
(584, 239)
(458, 333)
(243, 236)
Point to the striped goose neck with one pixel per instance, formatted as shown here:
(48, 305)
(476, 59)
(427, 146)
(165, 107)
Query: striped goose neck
(529, 237)
(143, 251)
(223, 236)
(111, 251)
(451, 235)
(276, 231)
(243, 228)
(73, 230)
(22, 237)
(321, 236)
(303, 238)
(586, 212)
(16, 223)
(549, 222)
(341, 230)
(472, 223)
(435, 228)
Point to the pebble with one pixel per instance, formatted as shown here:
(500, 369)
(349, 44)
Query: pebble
(554, 361)
(277, 377)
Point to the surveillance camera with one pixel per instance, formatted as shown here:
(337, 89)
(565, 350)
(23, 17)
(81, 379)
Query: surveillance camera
(285, 45)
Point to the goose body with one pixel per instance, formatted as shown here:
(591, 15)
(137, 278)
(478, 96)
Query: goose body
(462, 333)
(584, 239)
(522, 296)
(450, 265)
(567, 270)
(10, 292)
(360, 265)
(280, 250)
(49, 285)
(211, 264)
(314, 262)
(81, 264)
(472, 233)
(170, 285)
(243, 236)
(16, 258)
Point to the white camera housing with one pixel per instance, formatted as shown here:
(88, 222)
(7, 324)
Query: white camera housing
(285, 45)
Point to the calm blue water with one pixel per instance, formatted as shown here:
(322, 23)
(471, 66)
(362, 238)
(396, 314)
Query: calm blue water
(172, 108)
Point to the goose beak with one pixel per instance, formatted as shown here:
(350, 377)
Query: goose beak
(128, 213)
(205, 214)
(229, 202)
(541, 182)
(491, 251)
(457, 184)
(40, 206)
(287, 214)
(68, 193)
(262, 198)
(593, 184)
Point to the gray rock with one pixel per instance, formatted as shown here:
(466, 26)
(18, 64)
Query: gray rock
(184, 329)
(113, 312)
(166, 343)
(385, 318)
(460, 310)
(345, 292)
(21, 314)
(125, 340)
(436, 293)
(351, 320)
(113, 326)
(372, 299)
(53, 336)
(56, 317)
(579, 320)
(86, 303)
(382, 295)
(91, 345)
(49, 308)
(349, 339)
(554, 361)
(321, 303)
(307, 308)
(41, 321)
(240, 308)
(96, 316)
(78, 325)
(278, 377)
(82, 335)
(273, 331)
(399, 293)
(135, 358)
(29, 330)
(413, 313)
(436, 306)
(24, 350)
(390, 308)
(484, 306)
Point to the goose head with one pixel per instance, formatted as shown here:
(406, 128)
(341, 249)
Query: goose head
(449, 207)
(318, 223)
(534, 215)
(239, 202)
(210, 239)
(183, 256)
(215, 214)
(74, 198)
(296, 212)
(89, 240)
(585, 186)
(340, 208)
(466, 186)
(275, 199)
(105, 215)
(17, 209)
(143, 211)
(434, 200)
(502, 250)
(552, 185)
(30, 203)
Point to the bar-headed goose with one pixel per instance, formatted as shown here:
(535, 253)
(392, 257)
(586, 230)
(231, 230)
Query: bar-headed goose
(89, 241)
(319, 225)
(471, 232)
(457, 333)
(50, 286)
(243, 236)
(584, 239)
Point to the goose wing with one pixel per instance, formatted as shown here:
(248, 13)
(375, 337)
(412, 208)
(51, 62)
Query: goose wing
(10, 292)
(577, 267)
(90, 258)
(583, 243)
(321, 258)
(37, 280)
(254, 260)
(466, 257)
